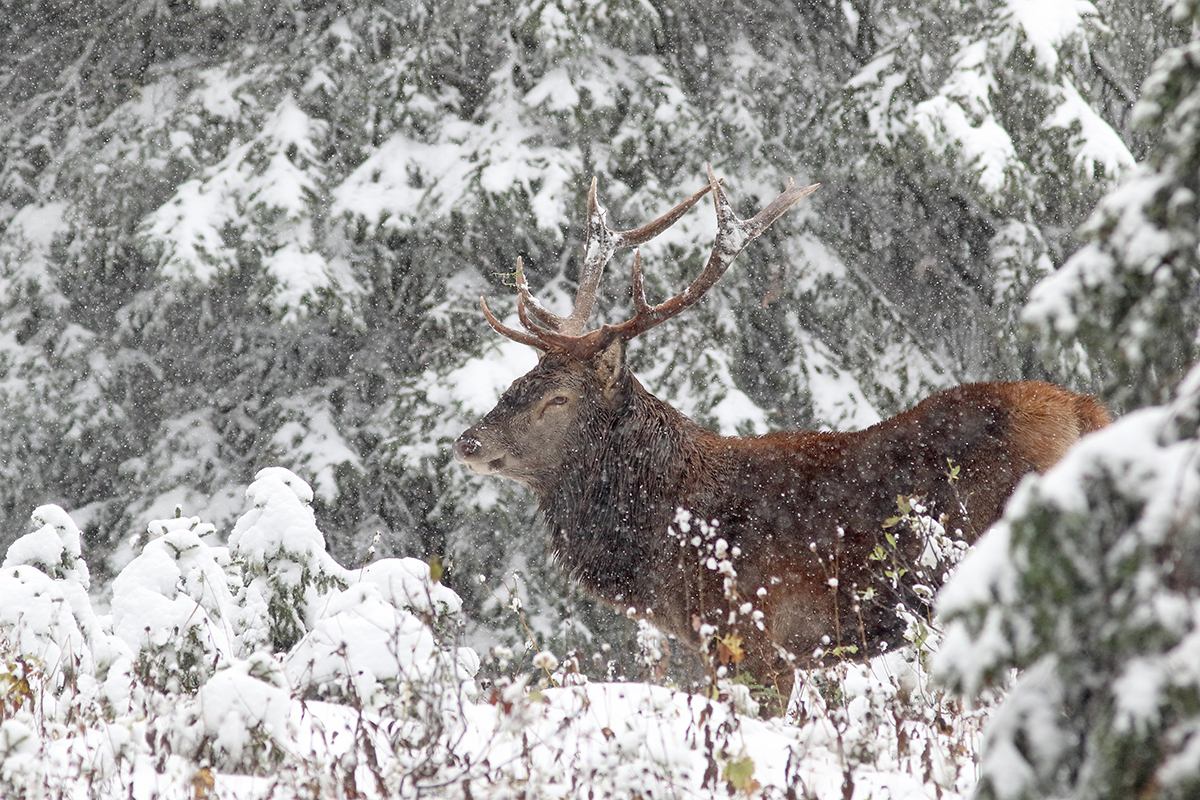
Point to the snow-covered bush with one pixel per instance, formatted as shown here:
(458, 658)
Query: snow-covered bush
(240, 721)
(53, 640)
(286, 572)
(386, 625)
(190, 664)
(173, 606)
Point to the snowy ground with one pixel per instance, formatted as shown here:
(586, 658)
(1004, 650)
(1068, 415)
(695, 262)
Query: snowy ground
(264, 669)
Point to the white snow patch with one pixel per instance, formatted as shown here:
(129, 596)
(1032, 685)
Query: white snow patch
(1098, 144)
(477, 384)
(986, 147)
(1048, 23)
(838, 398)
(1053, 301)
(555, 89)
(220, 93)
(315, 445)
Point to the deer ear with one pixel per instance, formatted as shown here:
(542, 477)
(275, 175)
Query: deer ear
(610, 364)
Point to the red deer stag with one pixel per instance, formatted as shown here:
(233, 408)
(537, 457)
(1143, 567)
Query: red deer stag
(792, 517)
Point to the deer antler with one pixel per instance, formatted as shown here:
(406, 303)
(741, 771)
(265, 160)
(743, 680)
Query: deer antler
(600, 244)
(546, 330)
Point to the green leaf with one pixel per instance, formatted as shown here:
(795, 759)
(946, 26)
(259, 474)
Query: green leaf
(740, 773)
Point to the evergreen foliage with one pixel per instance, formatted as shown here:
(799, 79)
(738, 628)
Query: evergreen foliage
(1090, 583)
(1131, 296)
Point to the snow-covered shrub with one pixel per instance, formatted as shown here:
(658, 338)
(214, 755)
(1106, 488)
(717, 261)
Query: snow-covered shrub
(241, 720)
(384, 625)
(51, 637)
(185, 670)
(61, 670)
(285, 569)
(1091, 584)
(173, 606)
(53, 548)
(886, 720)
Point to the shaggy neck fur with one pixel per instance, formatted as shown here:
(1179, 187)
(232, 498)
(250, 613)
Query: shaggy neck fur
(610, 507)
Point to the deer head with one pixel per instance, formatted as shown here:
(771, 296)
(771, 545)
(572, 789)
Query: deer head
(541, 419)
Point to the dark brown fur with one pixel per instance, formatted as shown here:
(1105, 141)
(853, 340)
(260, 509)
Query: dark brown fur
(611, 464)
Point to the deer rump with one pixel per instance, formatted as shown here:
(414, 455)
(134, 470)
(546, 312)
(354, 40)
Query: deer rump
(757, 549)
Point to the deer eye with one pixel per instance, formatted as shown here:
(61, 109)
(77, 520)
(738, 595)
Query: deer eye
(558, 400)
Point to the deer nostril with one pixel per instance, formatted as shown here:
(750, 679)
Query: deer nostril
(465, 447)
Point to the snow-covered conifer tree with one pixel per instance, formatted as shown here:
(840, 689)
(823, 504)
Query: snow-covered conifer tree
(1091, 582)
(1131, 297)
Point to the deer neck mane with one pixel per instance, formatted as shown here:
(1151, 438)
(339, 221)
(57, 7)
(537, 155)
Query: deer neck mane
(610, 509)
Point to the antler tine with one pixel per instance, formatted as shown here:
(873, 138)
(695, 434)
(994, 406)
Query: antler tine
(598, 248)
(640, 306)
(733, 234)
(648, 231)
(545, 329)
(521, 337)
(601, 243)
(525, 302)
(528, 305)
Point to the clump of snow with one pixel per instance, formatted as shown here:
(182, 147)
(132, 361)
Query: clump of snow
(170, 603)
(734, 412)
(242, 718)
(1046, 25)
(555, 90)
(221, 94)
(879, 82)
(53, 547)
(189, 229)
(838, 398)
(986, 148)
(1098, 144)
(381, 625)
(311, 441)
(29, 235)
(1056, 302)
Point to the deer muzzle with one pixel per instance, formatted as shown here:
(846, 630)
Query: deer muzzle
(472, 451)
(465, 448)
